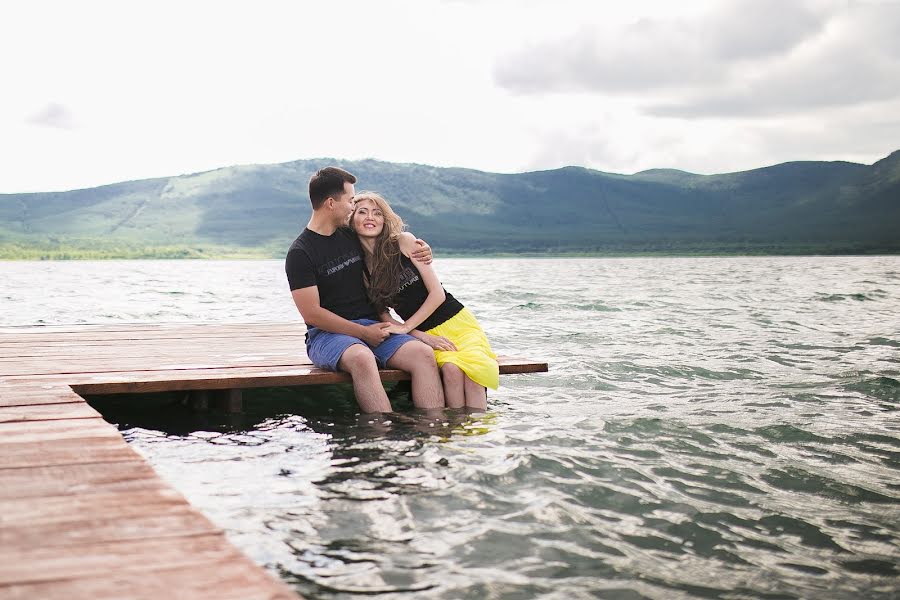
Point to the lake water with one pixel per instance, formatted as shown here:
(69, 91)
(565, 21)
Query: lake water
(709, 428)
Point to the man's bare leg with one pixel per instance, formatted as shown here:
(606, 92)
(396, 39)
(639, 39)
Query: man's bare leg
(359, 361)
(476, 395)
(454, 392)
(418, 359)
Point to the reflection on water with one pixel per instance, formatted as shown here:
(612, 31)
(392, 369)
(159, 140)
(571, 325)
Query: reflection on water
(710, 428)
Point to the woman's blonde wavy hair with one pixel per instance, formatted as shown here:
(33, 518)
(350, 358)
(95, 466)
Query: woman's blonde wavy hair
(383, 276)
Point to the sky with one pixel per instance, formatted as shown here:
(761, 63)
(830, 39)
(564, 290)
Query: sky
(96, 92)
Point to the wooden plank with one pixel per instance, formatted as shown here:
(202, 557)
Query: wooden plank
(47, 412)
(249, 331)
(28, 399)
(147, 326)
(65, 452)
(78, 380)
(151, 334)
(234, 344)
(185, 350)
(216, 379)
(36, 399)
(97, 506)
(47, 384)
(77, 365)
(137, 349)
(46, 431)
(147, 331)
(142, 381)
(225, 378)
(26, 392)
(25, 565)
(510, 365)
(233, 579)
(26, 387)
(134, 474)
(228, 344)
(11, 349)
(171, 521)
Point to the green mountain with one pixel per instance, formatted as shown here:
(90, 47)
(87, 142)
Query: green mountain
(257, 210)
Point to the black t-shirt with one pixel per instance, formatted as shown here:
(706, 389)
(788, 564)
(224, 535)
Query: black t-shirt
(411, 294)
(335, 264)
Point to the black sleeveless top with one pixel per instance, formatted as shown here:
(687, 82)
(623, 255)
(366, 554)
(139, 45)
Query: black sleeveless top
(411, 294)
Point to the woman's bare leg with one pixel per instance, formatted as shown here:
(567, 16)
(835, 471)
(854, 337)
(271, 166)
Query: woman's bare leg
(476, 395)
(454, 391)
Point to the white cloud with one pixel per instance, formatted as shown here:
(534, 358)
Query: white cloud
(53, 115)
(656, 53)
(834, 69)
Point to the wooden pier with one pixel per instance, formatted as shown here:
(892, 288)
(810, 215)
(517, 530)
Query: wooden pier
(82, 515)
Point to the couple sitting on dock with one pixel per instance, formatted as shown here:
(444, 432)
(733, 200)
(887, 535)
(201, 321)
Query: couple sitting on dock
(349, 267)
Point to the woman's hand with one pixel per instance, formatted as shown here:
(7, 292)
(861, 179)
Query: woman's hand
(438, 342)
(395, 328)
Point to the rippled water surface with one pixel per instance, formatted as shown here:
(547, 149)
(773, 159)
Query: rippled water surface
(709, 428)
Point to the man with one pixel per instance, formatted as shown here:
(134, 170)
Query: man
(324, 268)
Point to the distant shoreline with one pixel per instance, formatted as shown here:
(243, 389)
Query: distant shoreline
(62, 253)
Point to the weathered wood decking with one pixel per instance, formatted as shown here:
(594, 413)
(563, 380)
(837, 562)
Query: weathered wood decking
(82, 515)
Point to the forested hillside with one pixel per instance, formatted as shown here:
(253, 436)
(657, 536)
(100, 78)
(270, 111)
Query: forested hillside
(257, 210)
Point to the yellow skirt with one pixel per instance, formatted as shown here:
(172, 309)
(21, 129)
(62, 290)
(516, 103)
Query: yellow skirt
(473, 353)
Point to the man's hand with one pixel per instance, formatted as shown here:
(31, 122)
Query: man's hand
(422, 252)
(394, 328)
(375, 333)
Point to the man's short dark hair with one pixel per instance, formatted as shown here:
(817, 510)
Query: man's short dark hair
(328, 183)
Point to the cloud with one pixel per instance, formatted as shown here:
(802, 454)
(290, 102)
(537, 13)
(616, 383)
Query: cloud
(862, 134)
(753, 29)
(53, 115)
(623, 142)
(585, 147)
(653, 54)
(856, 61)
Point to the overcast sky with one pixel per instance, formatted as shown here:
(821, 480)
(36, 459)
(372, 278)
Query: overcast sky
(97, 92)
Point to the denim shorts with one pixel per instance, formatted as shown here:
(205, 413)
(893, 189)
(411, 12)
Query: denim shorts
(325, 348)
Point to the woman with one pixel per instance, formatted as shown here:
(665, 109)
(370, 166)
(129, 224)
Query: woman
(412, 289)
